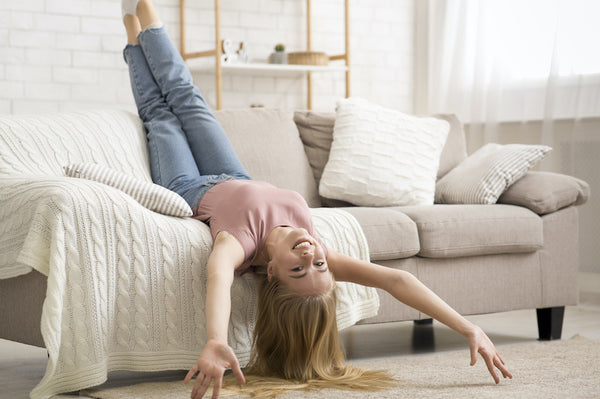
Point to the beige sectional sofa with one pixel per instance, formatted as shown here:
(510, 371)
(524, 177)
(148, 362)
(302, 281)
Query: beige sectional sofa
(521, 253)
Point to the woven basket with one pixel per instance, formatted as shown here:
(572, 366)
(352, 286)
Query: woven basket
(308, 58)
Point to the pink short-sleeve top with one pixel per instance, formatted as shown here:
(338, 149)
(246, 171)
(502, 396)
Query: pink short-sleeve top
(249, 210)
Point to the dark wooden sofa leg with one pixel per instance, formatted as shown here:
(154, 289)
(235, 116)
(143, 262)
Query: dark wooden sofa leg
(550, 321)
(423, 338)
(423, 322)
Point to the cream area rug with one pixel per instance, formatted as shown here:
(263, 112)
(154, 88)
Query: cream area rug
(556, 369)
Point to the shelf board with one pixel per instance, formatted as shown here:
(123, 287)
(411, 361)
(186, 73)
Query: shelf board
(265, 69)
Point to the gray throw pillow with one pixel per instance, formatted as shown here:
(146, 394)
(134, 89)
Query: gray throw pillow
(545, 192)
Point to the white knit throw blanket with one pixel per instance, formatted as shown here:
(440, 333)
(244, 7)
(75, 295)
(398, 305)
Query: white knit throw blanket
(126, 286)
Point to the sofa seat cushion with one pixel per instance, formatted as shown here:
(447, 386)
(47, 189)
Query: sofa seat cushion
(449, 231)
(390, 233)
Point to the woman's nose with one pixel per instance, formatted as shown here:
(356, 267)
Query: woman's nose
(309, 251)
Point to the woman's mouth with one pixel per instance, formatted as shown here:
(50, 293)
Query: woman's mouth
(301, 244)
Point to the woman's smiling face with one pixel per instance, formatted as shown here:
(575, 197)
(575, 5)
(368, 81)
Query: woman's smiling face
(298, 260)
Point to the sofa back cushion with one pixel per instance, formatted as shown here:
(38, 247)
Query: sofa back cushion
(316, 132)
(268, 144)
(44, 144)
(455, 149)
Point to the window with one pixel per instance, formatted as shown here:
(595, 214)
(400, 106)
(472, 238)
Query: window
(499, 60)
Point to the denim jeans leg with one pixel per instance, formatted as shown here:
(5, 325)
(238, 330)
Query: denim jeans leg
(171, 161)
(210, 146)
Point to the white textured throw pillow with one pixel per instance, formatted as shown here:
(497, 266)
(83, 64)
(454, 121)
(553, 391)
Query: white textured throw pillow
(150, 195)
(487, 173)
(382, 157)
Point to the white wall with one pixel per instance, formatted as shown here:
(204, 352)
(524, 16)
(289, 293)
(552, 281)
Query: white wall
(66, 54)
(60, 55)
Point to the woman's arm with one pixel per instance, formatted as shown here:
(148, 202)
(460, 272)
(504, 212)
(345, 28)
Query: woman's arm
(407, 289)
(217, 356)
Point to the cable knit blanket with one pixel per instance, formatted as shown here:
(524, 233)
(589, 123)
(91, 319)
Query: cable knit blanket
(125, 285)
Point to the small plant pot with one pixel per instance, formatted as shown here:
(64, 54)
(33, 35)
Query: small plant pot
(278, 57)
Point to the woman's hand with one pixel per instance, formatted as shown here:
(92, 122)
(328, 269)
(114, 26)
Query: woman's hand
(407, 289)
(480, 343)
(216, 357)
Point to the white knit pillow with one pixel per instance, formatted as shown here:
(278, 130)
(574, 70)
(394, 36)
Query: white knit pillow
(487, 173)
(382, 157)
(150, 195)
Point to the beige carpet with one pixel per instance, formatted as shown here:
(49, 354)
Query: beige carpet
(558, 369)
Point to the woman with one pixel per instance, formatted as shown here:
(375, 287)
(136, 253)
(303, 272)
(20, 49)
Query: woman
(256, 226)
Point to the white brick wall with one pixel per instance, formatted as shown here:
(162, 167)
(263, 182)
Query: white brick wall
(66, 54)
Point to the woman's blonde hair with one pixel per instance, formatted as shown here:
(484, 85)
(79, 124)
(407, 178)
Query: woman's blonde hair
(296, 339)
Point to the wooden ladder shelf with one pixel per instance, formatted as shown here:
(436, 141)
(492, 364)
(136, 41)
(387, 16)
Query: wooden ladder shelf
(217, 52)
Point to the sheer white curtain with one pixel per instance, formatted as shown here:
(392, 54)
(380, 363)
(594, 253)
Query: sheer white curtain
(497, 61)
(523, 71)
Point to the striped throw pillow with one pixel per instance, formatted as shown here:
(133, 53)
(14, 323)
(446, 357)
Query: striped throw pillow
(487, 173)
(150, 195)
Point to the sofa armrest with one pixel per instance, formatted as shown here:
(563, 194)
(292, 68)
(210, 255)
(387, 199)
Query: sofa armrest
(34, 208)
(546, 192)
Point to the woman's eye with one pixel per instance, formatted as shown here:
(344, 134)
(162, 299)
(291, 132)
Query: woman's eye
(319, 264)
(298, 269)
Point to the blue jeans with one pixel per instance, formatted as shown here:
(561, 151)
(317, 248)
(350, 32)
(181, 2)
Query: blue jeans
(189, 151)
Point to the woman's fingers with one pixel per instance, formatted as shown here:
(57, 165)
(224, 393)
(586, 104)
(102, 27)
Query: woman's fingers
(215, 358)
(500, 357)
(197, 386)
(237, 372)
(502, 367)
(217, 388)
(201, 385)
(495, 361)
(474, 349)
(490, 366)
(204, 387)
(190, 374)
(479, 343)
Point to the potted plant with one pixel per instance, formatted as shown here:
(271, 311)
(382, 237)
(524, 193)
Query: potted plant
(279, 56)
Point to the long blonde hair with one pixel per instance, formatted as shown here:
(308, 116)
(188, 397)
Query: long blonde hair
(296, 339)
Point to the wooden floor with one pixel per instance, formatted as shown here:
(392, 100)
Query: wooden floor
(22, 366)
